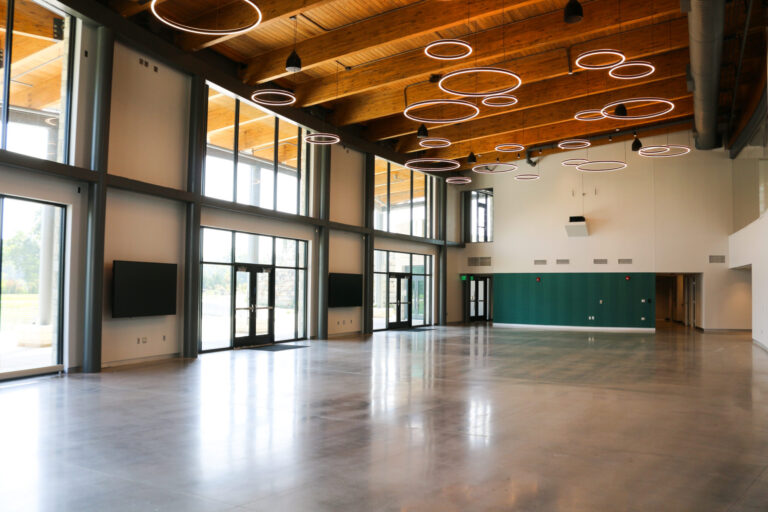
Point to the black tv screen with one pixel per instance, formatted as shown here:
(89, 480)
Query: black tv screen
(143, 289)
(345, 290)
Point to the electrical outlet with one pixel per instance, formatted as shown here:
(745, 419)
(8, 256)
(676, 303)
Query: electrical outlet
(163, 337)
(144, 340)
(138, 341)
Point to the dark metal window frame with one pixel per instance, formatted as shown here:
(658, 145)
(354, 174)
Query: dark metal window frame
(476, 233)
(62, 269)
(428, 277)
(236, 156)
(428, 220)
(273, 265)
(7, 58)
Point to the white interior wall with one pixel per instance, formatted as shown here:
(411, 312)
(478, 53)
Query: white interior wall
(346, 251)
(347, 185)
(149, 120)
(666, 214)
(749, 248)
(75, 197)
(142, 228)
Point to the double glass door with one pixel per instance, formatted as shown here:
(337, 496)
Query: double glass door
(478, 299)
(399, 301)
(254, 305)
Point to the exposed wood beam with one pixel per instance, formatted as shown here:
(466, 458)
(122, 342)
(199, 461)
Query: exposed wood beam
(551, 110)
(532, 35)
(408, 22)
(237, 14)
(555, 132)
(639, 43)
(32, 20)
(678, 125)
(128, 8)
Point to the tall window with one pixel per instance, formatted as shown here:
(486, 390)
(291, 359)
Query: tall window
(253, 157)
(35, 104)
(418, 271)
(480, 221)
(403, 200)
(31, 266)
(286, 259)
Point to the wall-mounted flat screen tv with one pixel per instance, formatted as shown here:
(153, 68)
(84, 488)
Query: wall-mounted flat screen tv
(143, 289)
(345, 290)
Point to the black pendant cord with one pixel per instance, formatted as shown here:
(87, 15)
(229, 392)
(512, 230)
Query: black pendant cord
(6, 61)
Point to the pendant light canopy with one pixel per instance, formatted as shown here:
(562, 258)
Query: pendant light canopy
(293, 64)
(573, 12)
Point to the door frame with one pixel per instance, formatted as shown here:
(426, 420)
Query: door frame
(400, 324)
(254, 340)
(487, 298)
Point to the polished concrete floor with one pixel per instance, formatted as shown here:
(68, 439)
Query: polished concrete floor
(446, 419)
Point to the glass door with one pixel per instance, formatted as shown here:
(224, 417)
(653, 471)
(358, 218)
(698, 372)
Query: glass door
(254, 305)
(478, 299)
(399, 301)
(31, 286)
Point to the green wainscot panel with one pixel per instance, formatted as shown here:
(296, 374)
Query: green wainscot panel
(604, 299)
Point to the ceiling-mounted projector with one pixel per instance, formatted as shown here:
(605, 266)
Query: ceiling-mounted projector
(577, 226)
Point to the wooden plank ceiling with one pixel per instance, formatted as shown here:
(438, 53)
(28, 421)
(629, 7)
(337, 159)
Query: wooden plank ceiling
(363, 61)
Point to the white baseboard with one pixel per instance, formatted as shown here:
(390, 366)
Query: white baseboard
(536, 327)
(760, 344)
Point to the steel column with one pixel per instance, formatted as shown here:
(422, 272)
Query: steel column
(97, 203)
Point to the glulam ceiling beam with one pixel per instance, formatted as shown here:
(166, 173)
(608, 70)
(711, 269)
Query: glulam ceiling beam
(643, 43)
(556, 104)
(533, 35)
(551, 134)
(544, 167)
(397, 25)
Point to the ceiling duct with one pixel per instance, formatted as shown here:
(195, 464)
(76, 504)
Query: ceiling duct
(705, 38)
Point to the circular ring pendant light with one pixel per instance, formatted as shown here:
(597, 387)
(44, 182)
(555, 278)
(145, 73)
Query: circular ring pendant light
(500, 100)
(648, 70)
(458, 180)
(603, 52)
(434, 142)
(432, 49)
(427, 164)
(602, 166)
(573, 162)
(574, 144)
(527, 177)
(408, 112)
(480, 70)
(510, 147)
(607, 110)
(322, 139)
(497, 168)
(210, 31)
(664, 151)
(592, 114)
(274, 97)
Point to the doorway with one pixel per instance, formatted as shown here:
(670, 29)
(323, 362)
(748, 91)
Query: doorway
(676, 299)
(399, 300)
(477, 303)
(254, 305)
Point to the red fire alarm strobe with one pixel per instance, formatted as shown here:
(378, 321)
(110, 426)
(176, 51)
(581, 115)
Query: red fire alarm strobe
(627, 278)
(538, 279)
